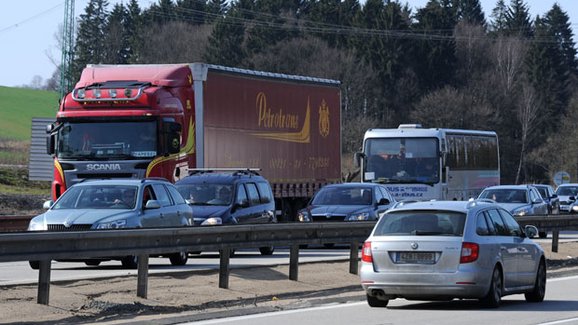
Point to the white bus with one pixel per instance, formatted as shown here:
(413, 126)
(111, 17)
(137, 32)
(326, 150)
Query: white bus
(424, 164)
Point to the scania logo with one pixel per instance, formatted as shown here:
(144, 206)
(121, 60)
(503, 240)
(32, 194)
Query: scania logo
(103, 167)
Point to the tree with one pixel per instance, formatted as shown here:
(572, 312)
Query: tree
(134, 29)
(518, 22)
(528, 117)
(90, 40)
(191, 11)
(175, 42)
(499, 13)
(436, 66)
(117, 47)
(470, 11)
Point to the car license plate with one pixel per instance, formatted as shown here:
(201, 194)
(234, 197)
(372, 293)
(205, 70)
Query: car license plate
(564, 207)
(416, 257)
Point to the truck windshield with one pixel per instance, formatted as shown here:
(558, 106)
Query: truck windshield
(402, 160)
(107, 140)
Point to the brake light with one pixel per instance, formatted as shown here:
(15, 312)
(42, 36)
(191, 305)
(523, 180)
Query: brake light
(366, 253)
(470, 252)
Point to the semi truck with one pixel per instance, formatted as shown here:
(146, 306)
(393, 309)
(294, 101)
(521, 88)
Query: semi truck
(162, 120)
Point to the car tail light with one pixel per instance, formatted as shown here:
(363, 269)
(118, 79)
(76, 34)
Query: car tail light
(470, 252)
(366, 252)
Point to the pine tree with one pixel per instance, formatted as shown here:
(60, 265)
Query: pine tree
(134, 30)
(227, 41)
(90, 39)
(216, 9)
(518, 22)
(499, 13)
(191, 11)
(470, 11)
(437, 63)
(117, 47)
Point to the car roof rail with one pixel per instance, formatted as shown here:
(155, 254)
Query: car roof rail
(234, 171)
(154, 179)
(474, 202)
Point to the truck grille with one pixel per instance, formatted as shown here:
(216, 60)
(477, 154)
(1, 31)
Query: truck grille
(60, 227)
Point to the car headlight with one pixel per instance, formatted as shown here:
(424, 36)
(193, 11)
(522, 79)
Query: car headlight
(215, 221)
(303, 216)
(112, 225)
(521, 212)
(37, 225)
(574, 208)
(363, 216)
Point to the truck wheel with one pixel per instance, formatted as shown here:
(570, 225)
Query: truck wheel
(92, 262)
(35, 265)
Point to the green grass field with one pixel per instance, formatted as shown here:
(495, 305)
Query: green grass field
(17, 108)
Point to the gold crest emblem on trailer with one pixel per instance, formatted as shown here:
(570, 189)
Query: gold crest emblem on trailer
(323, 119)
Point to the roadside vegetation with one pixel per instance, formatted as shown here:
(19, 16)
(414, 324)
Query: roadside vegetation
(17, 108)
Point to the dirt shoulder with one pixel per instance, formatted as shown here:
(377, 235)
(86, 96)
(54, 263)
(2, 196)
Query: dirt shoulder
(195, 295)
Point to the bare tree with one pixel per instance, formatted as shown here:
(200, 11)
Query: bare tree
(175, 42)
(509, 54)
(527, 114)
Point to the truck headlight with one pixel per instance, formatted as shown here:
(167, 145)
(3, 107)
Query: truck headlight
(112, 225)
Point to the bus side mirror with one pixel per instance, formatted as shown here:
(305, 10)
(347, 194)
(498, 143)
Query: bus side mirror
(358, 157)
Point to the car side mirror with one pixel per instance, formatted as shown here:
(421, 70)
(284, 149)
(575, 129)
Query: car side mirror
(47, 204)
(554, 196)
(530, 231)
(242, 204)
(572, 198)
(383, 201)
(152, 204)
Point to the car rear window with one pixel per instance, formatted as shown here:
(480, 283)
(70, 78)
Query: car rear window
(421, 223)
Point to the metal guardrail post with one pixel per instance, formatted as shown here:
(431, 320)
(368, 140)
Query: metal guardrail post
(44, 281)
(354, 258)
(294, 263)
(224, 268)
(555, 238)
(143, 276)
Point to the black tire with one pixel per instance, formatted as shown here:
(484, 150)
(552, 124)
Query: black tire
(494, 296)
(375, 302)
(92, 262)
(179, 259)
(129, 262)
(267, 250)
(542, 234)
(539, 291)
(35, 265)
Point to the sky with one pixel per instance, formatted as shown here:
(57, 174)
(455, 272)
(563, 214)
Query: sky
(28, 30)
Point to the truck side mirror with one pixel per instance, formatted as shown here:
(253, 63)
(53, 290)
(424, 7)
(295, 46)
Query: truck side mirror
(51, 144)
(172, 132)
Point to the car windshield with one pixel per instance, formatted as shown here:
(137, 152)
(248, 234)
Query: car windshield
(567, 190)
(343, 196)
(543, 192)
(207, 194)
(505, 195)
(421, 223)
(98, 197)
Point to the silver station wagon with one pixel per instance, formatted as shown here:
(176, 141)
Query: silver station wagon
(441, 250)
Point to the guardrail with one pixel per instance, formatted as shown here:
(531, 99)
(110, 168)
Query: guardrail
(47, 246)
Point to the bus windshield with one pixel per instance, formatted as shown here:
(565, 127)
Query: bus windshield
(107, 140)
(402, 160)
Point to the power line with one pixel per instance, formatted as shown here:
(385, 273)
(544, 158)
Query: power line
(16, 25)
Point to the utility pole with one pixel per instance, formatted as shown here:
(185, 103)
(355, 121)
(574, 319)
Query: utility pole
(67, 48)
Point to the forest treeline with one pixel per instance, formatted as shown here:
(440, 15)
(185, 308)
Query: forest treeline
(444, 65)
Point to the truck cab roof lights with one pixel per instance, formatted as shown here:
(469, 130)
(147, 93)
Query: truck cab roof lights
(87, 95)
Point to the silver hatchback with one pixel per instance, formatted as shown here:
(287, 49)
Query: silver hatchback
(441, 250)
